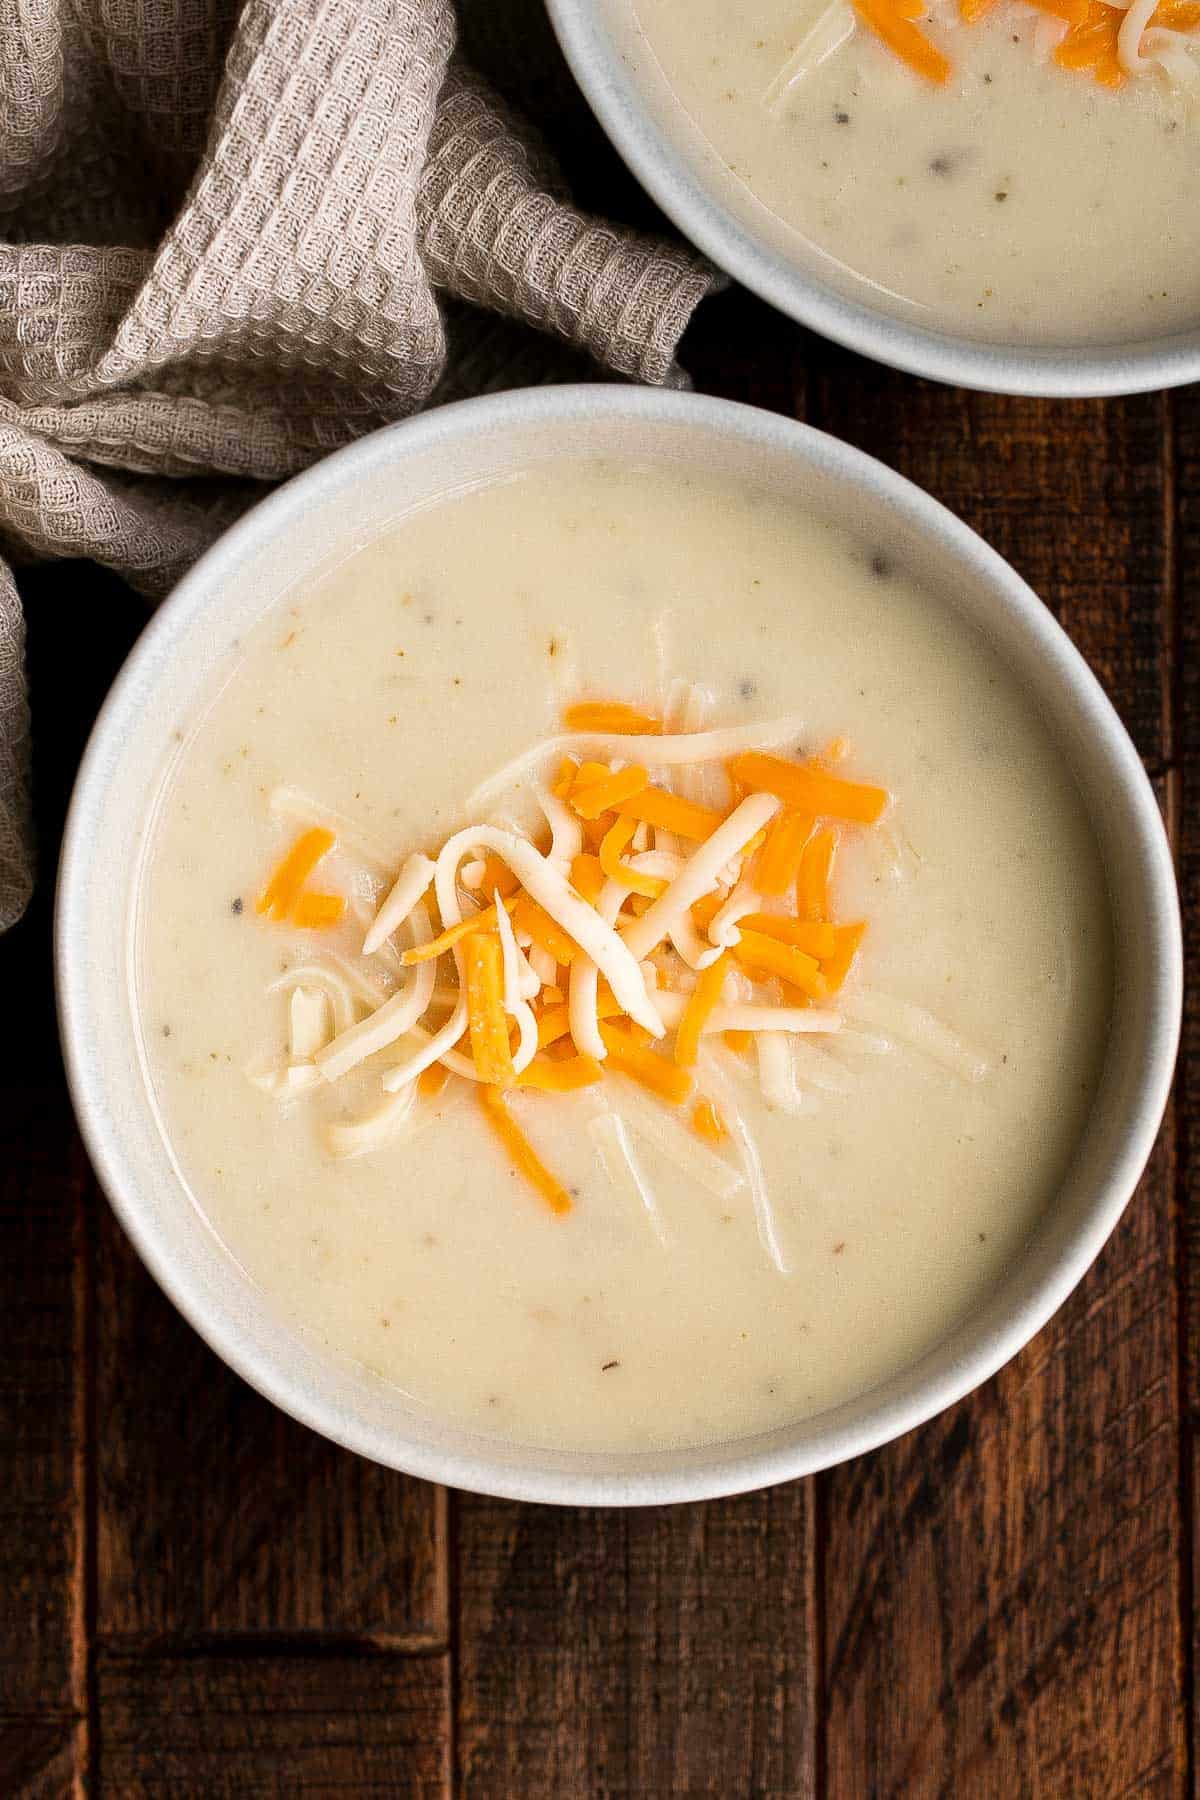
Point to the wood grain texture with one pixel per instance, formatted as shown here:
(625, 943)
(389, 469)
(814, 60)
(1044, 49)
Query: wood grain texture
(47, 1196)
(43, 1178)
(43, 1759)
(216, 1513)
(271, 1728)
(1002, 1587)
(664, 1651)
(1187, 798)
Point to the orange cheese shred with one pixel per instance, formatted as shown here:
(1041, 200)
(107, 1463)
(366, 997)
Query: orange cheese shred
(587, 876)
(497, 878)
(703, 997)
(779, 858)
(555, 1022)
(1091, 46)
(812, 880)
(480, 921)
(817, 940)
(1072, 12)
(546, 933)
(487, 1021)
(568, 769)
(667, 811)
(836, 967)
(318, 912)
(521, 1153)
(811, 789)
(282, 891)
(708, 1123)
(763, 955)
(889, 21)
(432, 1080)
(596, 797)
(560, 1077)
(628, 1057)
(738, 1041)
(610, 715)
(615, 840)
(706, 909)
(1177, 15)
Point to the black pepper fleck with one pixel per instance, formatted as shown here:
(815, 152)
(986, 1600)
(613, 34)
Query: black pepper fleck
(604, 1367)
(840, 117)
(235, 906)
(881, 566)
(166, 1031)
(747, 689)
(1001, 194)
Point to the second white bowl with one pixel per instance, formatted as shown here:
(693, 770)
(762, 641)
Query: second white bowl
(670, 156)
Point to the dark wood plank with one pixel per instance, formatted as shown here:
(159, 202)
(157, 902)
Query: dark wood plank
(46, 1197)
(216, 1513)
(739, 348)
(1187, 798)
(668, 1651)
(42, 1759)
(250, 1727)
(1001, 1588)
(43, 1177)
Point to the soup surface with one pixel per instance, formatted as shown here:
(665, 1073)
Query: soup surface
(904, 1159)
(1017, 201)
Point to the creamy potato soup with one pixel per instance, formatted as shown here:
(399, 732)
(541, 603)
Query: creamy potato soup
(620, 960)
(1027, 173)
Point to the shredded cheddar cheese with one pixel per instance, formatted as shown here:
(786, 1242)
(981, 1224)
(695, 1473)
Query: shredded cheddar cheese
(590, 957)
(701, 1002)
(521, 1153)
(614, 716)
(600, 796)
(812, 877)
(779, 858)
(485, 1008)
(317, 912)
(1107, 40)
(281, 893)
(708, 1123)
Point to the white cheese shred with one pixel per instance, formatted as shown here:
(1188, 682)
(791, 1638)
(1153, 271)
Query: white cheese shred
(414, 880)
(622, 1168)
(390, 1021)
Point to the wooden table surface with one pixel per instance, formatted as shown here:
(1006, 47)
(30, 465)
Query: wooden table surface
(199, 1597)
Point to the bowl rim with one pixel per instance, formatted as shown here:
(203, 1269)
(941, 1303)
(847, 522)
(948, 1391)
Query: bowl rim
(812, 1446)
(677, 186)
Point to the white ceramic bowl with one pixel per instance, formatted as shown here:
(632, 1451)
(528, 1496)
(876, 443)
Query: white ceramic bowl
(348, 499)
(676, 165)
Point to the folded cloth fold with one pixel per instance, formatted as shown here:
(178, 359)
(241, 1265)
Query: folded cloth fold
(227, 241)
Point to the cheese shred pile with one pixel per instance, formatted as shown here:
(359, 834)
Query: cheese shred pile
(1108, 40)
(676, 897)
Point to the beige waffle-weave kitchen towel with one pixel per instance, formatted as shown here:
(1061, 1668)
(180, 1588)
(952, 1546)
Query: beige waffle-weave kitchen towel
(223, 234)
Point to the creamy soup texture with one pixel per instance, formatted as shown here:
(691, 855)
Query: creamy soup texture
(901, 1187)
(1019, 201)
